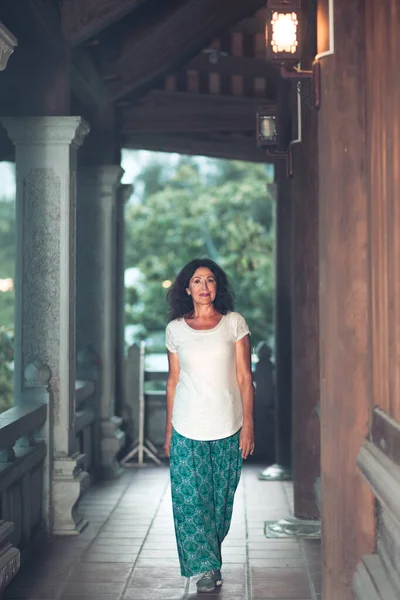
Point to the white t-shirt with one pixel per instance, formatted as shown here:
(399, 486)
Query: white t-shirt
(207, 403)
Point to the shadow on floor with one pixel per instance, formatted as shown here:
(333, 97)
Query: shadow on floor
(128, 550)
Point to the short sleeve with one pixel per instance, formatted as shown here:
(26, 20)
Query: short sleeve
(169, 342)
(241, 327)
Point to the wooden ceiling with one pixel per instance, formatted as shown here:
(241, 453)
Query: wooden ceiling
(176, 75)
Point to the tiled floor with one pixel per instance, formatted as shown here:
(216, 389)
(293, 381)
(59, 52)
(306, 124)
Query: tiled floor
(128, 550)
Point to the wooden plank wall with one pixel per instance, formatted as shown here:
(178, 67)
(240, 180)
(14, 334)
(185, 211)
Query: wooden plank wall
(379, 459)
(383, 113)
(359, 173)
(347, 503)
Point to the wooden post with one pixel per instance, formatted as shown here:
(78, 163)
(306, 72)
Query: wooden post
(305, 309)
(347, 504)
(123, 194)
(283, 329)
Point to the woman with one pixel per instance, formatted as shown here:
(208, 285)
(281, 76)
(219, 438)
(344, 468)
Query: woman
(209, 427)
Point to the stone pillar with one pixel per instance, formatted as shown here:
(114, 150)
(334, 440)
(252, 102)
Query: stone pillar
(96, 296)
(123, 194)
(46, 149)
(283, 334)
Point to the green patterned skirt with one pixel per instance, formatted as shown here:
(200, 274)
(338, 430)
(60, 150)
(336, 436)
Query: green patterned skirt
(204, 478)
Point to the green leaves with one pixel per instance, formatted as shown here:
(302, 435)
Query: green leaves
(224, 214)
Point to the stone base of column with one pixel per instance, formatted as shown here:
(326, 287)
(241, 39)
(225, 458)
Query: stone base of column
(111, 441)
(292, 527)
(9, 556)
(275, 472)
(70, 482)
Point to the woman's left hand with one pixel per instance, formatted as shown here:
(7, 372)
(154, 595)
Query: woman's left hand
(246, 444)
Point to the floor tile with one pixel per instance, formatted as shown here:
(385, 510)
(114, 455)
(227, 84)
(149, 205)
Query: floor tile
(129, 551)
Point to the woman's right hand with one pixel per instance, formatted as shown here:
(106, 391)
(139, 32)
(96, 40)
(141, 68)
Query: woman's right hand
(167, 442)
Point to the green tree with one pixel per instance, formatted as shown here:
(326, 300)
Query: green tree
(6, 371)
(7, 266)
(7, 259)
(225, 214)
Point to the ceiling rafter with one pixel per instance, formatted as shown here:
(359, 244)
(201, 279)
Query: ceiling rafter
(82, 19)
(175, 40)
(196, 113)
(174, 99)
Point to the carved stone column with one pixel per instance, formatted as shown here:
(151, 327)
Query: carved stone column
(123, 195)
(7, 45)
(96, 296)
(46, 149)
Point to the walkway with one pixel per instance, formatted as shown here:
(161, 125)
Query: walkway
(128, 550)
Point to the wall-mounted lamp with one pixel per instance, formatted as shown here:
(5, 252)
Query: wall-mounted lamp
(267, 130)
(283, 30)
(283, 33)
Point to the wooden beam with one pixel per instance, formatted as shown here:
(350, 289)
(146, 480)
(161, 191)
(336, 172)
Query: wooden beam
(37, 21)
(249, 25)
(178, 38)
(218, 101)
(86, 81)
(143, 121)
(226, 65)
(231, 148)
(207, 116)
(235, 65)
(82, 19)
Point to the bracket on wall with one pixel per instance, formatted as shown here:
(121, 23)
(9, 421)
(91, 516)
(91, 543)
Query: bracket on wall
(310, 93)
(283, 155)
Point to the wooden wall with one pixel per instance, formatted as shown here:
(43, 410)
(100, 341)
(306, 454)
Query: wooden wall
(359, 174)
(347, 504)
(383, 167)
(379, 459)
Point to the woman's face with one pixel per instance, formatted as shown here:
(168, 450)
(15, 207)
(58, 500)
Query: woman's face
(202, 286)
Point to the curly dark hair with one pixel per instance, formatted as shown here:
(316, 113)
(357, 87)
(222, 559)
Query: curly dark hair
(181, 304)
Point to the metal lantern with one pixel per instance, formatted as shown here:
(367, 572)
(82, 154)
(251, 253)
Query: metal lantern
(283, 30)
(267, 132)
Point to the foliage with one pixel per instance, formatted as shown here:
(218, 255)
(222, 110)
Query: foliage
(7, 258)
(224, 214)
(7, 263)
(6, 371)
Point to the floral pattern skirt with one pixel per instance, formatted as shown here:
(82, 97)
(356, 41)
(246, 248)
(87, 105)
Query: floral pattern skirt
(204, 478)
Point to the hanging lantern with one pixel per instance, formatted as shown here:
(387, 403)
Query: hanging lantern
(267, 132)
(283, 30)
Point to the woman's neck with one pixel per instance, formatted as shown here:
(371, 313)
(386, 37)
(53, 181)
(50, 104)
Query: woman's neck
(203, 312)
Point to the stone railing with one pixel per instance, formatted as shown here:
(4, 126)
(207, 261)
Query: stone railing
(378, 575)
(23, 472)
(85, 423)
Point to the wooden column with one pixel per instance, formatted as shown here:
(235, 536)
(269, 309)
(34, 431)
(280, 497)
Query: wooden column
(283, 330)
(347, 504)
(305, 309)
(123, 195)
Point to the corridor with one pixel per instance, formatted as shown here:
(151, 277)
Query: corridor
(128, 552)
